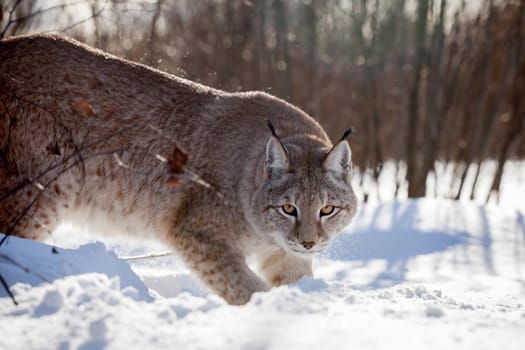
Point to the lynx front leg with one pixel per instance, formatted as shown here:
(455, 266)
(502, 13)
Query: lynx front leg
(280, 267)
(220, 267)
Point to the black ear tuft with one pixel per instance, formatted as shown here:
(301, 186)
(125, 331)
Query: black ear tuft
(276, 152)
(347, 133)
(274, 134)
(270, 126)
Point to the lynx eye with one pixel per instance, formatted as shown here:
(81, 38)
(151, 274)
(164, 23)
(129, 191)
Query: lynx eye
(289, 209)
(327, 210)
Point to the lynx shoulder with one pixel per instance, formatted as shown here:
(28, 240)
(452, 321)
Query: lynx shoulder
(84, 136)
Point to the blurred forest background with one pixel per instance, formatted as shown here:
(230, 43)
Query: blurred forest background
(426, 83)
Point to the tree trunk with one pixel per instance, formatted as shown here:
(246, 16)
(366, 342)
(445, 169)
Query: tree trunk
(260, 47)
(284, 62)
(434, 120)
(153, 36)
(515, 125)
(415, 188)
(310, 15)
(492, 105)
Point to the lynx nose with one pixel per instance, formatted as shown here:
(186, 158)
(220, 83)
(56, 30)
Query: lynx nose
(308, 245)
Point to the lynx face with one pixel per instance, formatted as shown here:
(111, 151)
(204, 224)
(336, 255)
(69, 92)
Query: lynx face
(306, 197)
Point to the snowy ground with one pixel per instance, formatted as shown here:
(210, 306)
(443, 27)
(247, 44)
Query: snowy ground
(426, 274)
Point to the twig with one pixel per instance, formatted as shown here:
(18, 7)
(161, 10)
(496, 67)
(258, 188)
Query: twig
(76, 154)
(188, 173)
(61, 6)
(61, 162)
(24, 268)
(147, 256)
(44, 188)
(119, 161)
(78, 159)
(60, 123)
(10, 18)
(6, 287)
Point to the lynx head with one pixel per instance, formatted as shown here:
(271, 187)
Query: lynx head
(305, 197)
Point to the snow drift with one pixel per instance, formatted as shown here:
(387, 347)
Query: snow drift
(425, 273)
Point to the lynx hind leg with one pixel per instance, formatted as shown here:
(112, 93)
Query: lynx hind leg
(220, 267)
(281, 268)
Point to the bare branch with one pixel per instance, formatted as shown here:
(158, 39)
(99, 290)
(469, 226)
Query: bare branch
(147, 256)
(87, 19)
(23, 267)
(6, 287)
(10, 18)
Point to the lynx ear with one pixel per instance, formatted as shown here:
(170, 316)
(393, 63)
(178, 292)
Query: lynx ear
(276, 156)
(339, 158)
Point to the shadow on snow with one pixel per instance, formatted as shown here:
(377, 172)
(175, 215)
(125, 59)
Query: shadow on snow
(398, 243)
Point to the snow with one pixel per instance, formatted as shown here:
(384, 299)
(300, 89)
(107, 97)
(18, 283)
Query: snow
(428, 273)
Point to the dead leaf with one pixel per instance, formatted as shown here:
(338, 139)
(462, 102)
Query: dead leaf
(100, 171)
(173, 181)
(176, 162)
(86, 108)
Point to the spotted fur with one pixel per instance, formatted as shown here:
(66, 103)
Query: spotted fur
(84, 137)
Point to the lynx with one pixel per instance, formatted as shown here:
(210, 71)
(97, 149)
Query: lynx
(86, 137)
